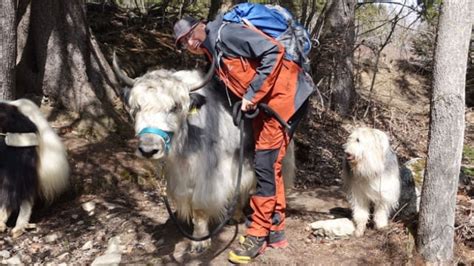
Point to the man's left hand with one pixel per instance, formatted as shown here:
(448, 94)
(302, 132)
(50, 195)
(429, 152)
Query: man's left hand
(247, 105)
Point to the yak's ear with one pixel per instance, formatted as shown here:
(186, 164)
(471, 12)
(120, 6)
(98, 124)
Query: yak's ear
(197, 100)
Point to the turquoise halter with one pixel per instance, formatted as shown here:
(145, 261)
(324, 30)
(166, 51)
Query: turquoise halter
(165, 135)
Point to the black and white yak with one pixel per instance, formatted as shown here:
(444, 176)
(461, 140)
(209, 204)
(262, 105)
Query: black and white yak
(193, 133)
(33, 162)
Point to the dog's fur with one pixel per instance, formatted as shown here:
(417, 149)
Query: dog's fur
(371, 177)
(27, 173)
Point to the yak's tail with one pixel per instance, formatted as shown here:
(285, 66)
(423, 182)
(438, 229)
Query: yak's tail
(53, 168)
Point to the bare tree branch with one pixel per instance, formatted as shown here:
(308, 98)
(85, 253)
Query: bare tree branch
(384, 2)
(395, 21)
(319, 23)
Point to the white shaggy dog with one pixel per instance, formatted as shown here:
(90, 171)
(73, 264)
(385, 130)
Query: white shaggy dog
(371, 177)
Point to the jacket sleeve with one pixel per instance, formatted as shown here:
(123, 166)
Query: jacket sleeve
(240, 40)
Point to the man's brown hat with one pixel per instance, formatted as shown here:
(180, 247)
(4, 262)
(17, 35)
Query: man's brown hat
(183, 27)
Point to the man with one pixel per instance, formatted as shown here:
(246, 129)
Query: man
(252, 66)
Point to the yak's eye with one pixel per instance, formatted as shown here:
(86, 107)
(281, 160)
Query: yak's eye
(357, 139)
(175, 108)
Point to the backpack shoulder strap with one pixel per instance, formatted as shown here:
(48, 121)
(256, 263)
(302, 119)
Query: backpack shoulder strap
(218, 45)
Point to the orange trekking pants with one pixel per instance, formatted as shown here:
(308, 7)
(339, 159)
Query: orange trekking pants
(268, 203)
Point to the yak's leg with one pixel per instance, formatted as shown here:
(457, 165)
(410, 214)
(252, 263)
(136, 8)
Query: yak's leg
(201, 228)
(23, 218)
(238, 216)
(4, 214)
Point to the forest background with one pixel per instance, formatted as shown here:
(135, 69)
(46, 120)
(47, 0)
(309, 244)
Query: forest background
(373, 64)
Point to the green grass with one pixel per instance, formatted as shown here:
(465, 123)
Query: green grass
(468, 154)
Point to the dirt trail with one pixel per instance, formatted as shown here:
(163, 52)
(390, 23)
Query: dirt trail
(122, 203)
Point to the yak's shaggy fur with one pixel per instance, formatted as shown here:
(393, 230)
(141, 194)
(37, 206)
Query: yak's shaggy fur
(202, 162)
(27, 173)
(371, 177)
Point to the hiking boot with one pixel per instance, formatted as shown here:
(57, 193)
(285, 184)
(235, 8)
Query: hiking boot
(250, 247)
(277, 239)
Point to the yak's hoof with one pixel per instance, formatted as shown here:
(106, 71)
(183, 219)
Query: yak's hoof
(3, 227)
(18, 231)
(198, 247)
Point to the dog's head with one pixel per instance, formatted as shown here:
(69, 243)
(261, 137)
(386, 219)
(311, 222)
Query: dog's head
(365, 144)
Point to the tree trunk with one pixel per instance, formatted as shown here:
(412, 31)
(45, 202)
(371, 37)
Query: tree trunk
(60, 59)
(334, 57)
(435, 239)
(290, 5)
(227, 4)
(7, 49)
(132, 4)
(214, 8)
(470, 74)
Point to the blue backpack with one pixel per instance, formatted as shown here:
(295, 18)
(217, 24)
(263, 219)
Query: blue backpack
(278, 23)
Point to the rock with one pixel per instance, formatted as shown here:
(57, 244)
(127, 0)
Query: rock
(114, 245)
(112, 255)
(111, 206)
(74, 216)
(111, 215)
(34, 248)
(108, 259)
(51, 238)
(4, 254)
(334, 228)
(14, 260)
(88, 206)
(100, 236)
(63, 256)
(88, 245)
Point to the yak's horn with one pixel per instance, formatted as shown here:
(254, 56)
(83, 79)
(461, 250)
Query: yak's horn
(206, 79)
(119, 72)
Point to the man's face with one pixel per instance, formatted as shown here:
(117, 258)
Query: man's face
(194, 39)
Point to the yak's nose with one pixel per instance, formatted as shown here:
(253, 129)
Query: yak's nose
(151, 146)
(147, 153)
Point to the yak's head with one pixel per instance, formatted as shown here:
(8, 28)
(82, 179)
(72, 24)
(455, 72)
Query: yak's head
(159, 103)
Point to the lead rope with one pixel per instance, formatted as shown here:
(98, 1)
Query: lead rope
(231, 209)
(238, 120)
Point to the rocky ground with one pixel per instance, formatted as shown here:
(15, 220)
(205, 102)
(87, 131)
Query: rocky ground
(114, 214)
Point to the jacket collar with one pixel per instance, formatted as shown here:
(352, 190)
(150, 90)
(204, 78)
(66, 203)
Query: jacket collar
(212, 29)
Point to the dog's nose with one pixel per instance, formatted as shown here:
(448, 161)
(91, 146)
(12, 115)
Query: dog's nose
(349, 156)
